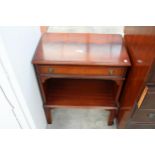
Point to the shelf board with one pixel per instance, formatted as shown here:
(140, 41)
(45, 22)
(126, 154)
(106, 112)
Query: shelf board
(85, 93)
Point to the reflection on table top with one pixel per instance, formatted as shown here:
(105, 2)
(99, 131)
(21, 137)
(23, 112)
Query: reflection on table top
(81, 49)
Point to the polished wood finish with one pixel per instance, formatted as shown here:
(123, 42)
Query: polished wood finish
(81, 71)
(81, 49)
(140, 42)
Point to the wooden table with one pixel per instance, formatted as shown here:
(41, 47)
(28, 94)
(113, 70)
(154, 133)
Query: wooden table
(81, 71)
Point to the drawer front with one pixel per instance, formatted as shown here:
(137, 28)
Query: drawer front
(147, 116)
(151, 78)
(140, 126)
(149, 100)
(82, 70)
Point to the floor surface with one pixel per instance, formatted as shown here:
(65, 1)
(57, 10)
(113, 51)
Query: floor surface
(80, 119)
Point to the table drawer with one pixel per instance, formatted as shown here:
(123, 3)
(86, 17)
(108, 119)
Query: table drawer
(82, 70)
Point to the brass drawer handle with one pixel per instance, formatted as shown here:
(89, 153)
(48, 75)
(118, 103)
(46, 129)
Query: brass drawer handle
(50, 70)
(111, 72)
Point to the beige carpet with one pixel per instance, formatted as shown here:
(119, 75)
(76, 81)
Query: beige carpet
(80, 119)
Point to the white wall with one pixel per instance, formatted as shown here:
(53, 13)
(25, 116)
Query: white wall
(20, 44)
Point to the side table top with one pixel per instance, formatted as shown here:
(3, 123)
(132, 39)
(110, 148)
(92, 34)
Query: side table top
(81, 49)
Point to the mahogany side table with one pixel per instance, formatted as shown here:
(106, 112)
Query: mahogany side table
(81, 71)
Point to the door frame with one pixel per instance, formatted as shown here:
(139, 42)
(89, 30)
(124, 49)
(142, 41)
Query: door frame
(12, 90)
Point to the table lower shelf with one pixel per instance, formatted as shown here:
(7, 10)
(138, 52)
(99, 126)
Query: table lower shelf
(80, 93)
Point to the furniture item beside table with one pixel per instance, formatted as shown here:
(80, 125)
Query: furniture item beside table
(81, 71)
(137, 102)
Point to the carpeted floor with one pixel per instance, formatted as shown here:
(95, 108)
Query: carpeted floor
(80, 119)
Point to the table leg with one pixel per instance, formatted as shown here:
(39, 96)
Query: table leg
(48, 113)
(111, 117)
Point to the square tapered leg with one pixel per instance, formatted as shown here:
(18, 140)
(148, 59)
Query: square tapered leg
(48, 113)
(111, 117)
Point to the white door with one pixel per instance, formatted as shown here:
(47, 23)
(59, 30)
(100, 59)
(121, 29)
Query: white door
(17, 46)
(11, 115)
(7, 116)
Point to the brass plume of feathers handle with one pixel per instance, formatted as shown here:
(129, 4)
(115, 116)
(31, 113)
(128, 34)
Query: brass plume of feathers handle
(111, 72)
(50, 70)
